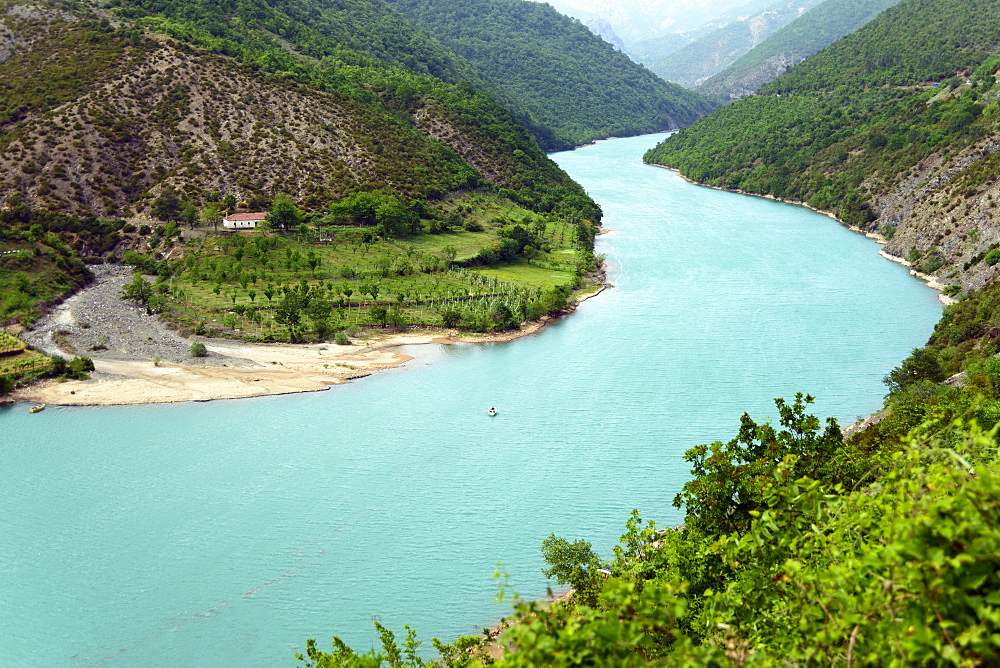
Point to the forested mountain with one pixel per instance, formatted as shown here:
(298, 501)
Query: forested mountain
(893, 128)
(712, 53)
(809, 34)
(559, 75)
(100, 118)
(120, 122)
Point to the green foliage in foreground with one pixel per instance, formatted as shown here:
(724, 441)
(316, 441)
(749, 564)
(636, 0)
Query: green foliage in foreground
(901, 571)
(799, 548)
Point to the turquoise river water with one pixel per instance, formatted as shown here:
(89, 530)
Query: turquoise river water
(226, 533)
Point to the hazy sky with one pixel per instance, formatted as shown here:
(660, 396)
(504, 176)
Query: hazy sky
(642, 19)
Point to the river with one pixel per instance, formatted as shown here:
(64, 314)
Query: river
(226, 533)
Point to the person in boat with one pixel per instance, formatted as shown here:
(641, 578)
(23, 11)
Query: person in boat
(492, 411)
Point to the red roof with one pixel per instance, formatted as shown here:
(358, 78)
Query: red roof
(246, 216)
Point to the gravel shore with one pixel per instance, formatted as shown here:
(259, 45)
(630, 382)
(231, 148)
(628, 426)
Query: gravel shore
(96, 323)
(139, 360)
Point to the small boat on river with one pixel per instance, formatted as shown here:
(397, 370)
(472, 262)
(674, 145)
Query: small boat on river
(36, 408)
(492, 412)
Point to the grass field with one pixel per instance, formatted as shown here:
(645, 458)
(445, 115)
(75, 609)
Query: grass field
(16, 361)
(312, 283)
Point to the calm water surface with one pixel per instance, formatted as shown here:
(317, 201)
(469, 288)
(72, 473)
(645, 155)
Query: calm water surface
(226, 533)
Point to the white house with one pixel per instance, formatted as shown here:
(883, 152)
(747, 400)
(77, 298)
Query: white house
(243, 221)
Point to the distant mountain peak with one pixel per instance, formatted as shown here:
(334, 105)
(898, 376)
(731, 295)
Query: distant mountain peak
(606, 31)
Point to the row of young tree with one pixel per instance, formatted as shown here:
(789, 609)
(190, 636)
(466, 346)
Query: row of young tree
(303, 311)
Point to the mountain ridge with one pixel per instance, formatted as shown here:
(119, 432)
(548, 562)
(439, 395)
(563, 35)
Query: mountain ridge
(559, 74)
(790, 45)
(710, 54)
(139, 132)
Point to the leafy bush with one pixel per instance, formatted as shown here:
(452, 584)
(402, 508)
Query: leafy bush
(78, 368)
(922, 364)
(198, 349)
(897, 570)
(931, 264)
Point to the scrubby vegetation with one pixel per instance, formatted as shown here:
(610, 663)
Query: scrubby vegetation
(395, 184)
(37, 267)
(310, 109)
(799, 546)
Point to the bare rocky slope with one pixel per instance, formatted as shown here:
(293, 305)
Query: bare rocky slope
(162, 116)
(933, 212)
(99, 118)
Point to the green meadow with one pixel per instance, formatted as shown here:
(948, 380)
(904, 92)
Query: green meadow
(490, 265)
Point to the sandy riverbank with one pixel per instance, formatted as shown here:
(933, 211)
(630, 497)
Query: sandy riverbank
(138, 360)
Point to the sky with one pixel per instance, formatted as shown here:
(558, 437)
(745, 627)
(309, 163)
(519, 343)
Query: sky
(635, 20)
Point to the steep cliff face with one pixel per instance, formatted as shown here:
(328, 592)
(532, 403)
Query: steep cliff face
(811, 32)
(942, 219)
(709, 55)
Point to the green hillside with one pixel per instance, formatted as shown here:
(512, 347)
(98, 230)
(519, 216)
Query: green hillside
(38, 267)
(804, 543)
(397, 198)
(809, 34)
(125, 114)
(863, 130)
(559, 75)
(337, 28)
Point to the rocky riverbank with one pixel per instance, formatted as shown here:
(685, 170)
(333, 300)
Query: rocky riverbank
(95, 322)
(931, 281)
